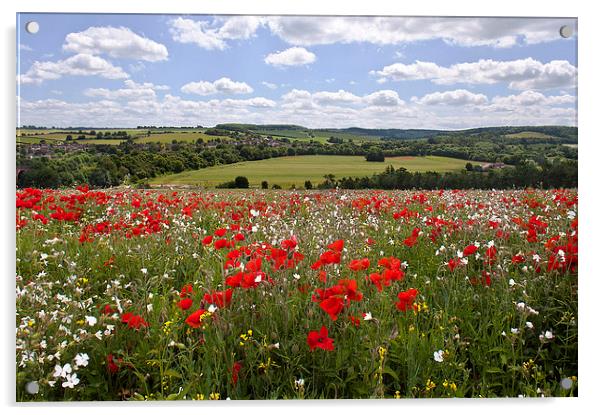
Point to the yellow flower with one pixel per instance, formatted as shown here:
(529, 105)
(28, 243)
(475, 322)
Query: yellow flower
(199, 397)
(397, 395)
(214, 396)
(430, 385)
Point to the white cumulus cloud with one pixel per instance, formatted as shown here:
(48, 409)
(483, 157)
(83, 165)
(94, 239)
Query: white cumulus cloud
(78, 65)
(456, 97)
(117, 42)
(223, 85)
(517, 74)
(294, 56)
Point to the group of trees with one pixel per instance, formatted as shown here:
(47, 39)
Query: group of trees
(556, 173)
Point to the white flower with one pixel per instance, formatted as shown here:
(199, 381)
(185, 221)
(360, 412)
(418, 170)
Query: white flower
(299, 382)
(549, 335)
(460, 254)
(438, 356)
(144, 270)
(529, 325)
(81, 359)
(71, 381)
(258, 278)
(212, 308)
(490, 244)
(504, 333)
(296, 276)
(511, 283)
(91, 320)
(368, 316)
(62, 371)
(514, 331)
(149, 307)
(254, 213)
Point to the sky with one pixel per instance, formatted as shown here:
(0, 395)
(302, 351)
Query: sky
(112, 70)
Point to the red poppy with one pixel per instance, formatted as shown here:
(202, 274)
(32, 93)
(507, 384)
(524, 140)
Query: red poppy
(406, 299)
(470, 250)
(359, 264)
(207, 240)
(333, 306)
(112, 367)
(133, 321)
(320, 340)
(195, 319)
(219, 298)
(185, 304)
(235, 369)
(186, 290)
(337, 245)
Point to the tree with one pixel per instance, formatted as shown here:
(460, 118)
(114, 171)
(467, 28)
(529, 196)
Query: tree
(69, 137)
(308, 185)
(241, 182)
(469, 167)
(264, 184)
(375, 155)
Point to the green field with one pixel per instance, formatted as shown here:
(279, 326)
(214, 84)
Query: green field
(528, 134)
(286, 171)
(183, 136)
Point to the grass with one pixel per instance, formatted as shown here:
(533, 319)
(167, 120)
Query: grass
(286, 171)
(528, 134)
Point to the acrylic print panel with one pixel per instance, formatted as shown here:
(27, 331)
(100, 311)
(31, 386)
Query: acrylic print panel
(295, 207)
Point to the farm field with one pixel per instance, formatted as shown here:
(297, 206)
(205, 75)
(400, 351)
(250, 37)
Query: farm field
(286, 171)
(153, 295)
(528, 134)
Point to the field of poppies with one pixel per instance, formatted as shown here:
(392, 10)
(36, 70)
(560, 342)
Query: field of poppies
(157, 295)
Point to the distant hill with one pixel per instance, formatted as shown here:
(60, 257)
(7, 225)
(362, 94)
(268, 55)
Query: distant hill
(409, 134)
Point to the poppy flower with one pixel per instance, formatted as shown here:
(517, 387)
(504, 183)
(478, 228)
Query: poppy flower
(185, 304)
(235, 370)
(406, 299)
(207, 240)
(112, 366)
(186, 290)
(333, 306)
(337, 245)
(219, 298)
(133, 321)
(195, 320)
(359, 264)
(320, 340)
(470, 250)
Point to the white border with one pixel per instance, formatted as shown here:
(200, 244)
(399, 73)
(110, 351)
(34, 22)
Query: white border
(590, 135)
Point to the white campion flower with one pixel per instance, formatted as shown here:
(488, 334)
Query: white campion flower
(212, 308)
(296, 276)
(62, 372)
(91, 320)
(71, 381)
(438, 356)
(81, 359)
(368, 316)
(529, 325)
(144, 270)
(514, 330)
(511, 283)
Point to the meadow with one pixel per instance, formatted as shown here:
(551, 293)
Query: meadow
(288, 171)
(152, 295)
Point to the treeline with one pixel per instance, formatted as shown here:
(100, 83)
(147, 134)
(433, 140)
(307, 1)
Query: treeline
(556, 173)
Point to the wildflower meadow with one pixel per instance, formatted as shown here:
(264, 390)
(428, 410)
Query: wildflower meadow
(127, 294)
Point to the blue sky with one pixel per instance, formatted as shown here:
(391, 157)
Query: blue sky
(126, 70)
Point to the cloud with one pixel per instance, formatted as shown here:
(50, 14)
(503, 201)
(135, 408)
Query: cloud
(456, 97)
(339, 97)
(291, 57)
(131, 91)
(383, 98)
(269, 85)
(23, 46)
(222, 85)
(77, 65)
(212, 35)
(518, 74)
(116, 42)
(527, 100)
(495, 32)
